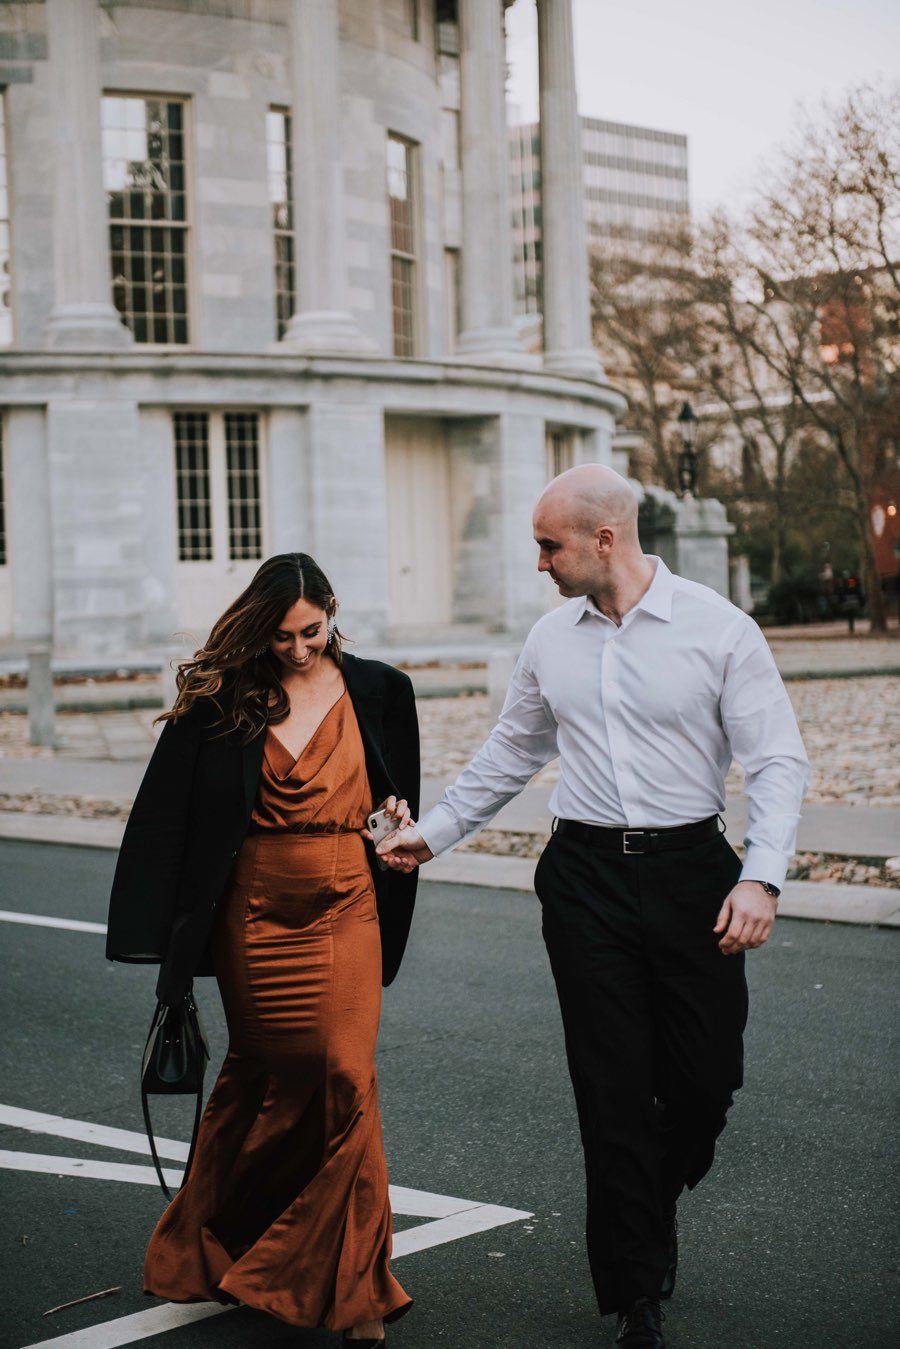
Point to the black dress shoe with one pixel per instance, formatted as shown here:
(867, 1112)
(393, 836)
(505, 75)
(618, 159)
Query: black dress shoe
(668, 1283)
(640, 1327)
(364, 1344)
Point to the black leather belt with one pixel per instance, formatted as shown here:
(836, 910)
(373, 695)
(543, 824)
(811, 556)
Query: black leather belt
(633, 842)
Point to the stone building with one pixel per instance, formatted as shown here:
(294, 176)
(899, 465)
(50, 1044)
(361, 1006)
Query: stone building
(260, 298)
(634, 178)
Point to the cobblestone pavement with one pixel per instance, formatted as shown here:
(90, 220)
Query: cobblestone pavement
(851, 728)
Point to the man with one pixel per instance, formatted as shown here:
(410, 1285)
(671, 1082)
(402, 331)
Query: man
(646, 685)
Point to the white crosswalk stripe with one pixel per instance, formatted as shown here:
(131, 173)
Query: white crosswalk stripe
(451, 1218)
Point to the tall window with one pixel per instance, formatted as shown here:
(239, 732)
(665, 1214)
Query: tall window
(402, 202)
(3, 551)
(242, 456)
(144, 173)
(560, 452)
(452, 296)
(6, 322)
(279, 150)
(192, 484)
(218, 486)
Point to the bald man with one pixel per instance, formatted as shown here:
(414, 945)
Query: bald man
(645, 685)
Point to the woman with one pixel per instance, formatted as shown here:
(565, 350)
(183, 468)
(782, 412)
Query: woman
(245, 854)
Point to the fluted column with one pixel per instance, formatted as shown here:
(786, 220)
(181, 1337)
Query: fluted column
(567, 312)
(322, 322)
(487, 282)
(83, 316)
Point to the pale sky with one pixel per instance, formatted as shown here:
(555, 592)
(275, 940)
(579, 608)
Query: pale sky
(727, 73)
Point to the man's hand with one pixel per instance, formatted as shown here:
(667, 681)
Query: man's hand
(404, 850)
(746, 918)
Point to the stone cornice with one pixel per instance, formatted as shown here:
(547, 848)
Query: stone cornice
(28, 368)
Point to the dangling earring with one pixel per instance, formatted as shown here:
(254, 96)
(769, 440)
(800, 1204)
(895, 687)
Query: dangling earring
(262, 650)
(332, 627)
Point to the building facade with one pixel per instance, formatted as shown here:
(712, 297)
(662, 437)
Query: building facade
(634, 178)
(259, 297)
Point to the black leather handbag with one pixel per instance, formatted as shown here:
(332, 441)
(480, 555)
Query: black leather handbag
(174, 1064)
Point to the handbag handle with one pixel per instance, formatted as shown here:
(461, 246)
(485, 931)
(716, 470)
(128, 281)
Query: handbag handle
(145, 1106)
(174, 1063)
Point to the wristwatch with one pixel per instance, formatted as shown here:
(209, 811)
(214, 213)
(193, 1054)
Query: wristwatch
(769, 888)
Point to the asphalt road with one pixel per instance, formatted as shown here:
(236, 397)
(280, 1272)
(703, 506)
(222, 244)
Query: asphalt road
(789, 1242)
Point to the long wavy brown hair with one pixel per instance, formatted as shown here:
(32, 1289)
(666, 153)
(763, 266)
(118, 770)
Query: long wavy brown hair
(235, 667)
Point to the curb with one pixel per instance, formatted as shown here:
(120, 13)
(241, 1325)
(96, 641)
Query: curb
(819, 901)
(879, 672)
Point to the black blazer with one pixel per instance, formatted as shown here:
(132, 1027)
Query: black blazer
(192, 812)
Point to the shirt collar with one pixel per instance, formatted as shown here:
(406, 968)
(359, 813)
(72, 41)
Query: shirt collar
(656, 600)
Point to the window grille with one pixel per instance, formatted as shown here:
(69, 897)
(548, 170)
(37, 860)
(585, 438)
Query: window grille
(6, 318)
(195, 536)
(144, 174)
(242, 466)
(279, 147)
(3, 554)
(401, 199)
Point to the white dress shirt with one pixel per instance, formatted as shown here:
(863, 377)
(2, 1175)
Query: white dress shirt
(646, 718)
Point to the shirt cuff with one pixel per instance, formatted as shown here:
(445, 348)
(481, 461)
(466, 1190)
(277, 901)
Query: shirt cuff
(440, 828)
(764, 864)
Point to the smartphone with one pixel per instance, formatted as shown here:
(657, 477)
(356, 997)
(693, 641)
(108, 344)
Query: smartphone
(380, 825)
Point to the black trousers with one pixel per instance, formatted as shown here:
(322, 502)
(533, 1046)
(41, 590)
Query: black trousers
(653, 1015)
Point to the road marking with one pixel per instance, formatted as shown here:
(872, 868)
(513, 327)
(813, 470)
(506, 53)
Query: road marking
(452, 1215)
(140, 1326)
(81, 1166)
(40, 920)
(411, 1203)
(452, 1218)
(476, 1218)
(125, 1140)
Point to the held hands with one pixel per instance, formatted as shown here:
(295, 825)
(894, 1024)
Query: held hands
(404, 850)
(746, 918)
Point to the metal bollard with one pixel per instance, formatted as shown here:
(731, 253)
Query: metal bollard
(41, 702)
(500, 667)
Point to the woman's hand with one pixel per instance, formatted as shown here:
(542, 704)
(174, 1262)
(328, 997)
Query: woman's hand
(404, 850)
(398, 811)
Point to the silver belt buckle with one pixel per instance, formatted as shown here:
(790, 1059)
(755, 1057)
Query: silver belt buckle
(627, 836)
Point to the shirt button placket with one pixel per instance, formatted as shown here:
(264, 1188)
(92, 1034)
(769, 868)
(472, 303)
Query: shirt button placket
(611, 695)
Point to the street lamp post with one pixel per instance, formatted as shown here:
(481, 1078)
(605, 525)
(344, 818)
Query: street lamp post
(687, 460)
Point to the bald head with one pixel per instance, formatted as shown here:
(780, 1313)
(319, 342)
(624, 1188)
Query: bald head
(590, 496)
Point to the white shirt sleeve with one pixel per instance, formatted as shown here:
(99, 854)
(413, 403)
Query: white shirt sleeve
(762, 730)
(523, 741)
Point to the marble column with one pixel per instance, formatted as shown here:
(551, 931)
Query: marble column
(83, 316)
(567, 315)
(322, 322)
(487, 333)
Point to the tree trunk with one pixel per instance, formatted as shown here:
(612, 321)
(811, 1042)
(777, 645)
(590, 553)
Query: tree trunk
(779, 523)
(777, 550)
(874, 596)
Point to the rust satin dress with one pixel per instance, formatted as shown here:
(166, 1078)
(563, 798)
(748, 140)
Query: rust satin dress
(286, 1207)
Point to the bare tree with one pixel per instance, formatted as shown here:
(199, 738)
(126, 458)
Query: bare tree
(762, 407)
(643, 318)
(820, 301)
